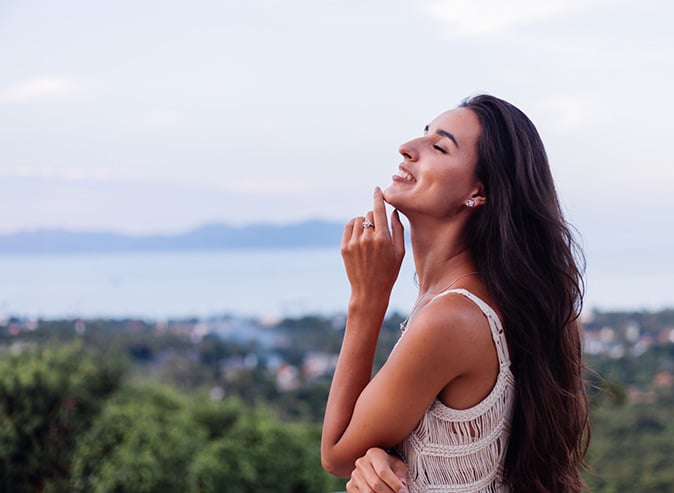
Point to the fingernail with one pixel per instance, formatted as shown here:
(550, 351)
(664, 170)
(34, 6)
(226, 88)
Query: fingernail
(377, 189)
(403, 490)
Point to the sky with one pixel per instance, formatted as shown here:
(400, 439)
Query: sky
(161, 116)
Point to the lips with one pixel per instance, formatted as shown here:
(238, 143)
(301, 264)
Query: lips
(404, 174)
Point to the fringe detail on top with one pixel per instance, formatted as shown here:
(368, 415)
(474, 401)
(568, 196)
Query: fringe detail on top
(463, 450)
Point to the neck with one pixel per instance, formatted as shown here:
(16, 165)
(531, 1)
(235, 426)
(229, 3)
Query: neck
(441, 254)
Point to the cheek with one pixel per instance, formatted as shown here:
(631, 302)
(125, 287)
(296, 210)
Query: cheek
(440, 196)
(450, 190)
(444, 183)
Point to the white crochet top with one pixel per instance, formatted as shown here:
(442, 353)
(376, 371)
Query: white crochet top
(463, 450)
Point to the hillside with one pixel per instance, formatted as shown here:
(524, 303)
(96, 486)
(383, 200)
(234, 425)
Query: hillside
(209, 237)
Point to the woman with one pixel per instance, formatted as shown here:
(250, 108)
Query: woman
(484, 390)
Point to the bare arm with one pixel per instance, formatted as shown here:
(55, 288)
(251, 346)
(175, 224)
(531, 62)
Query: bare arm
(364, 412)
(372, 258)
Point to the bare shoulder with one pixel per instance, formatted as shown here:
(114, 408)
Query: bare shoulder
(454, 314)
(453, 327)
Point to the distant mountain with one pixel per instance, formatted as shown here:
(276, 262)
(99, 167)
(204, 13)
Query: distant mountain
(210, 237)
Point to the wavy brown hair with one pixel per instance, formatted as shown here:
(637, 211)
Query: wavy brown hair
(533, 268)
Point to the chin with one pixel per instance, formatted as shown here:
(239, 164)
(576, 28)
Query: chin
(394, 198)
(389, 195)
(397, 200)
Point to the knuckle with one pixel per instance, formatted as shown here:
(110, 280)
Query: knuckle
(380, 468)
(378, 484)
(380, 240)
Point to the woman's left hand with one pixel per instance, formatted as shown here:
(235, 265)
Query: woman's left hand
(378, 472)
(372, 253)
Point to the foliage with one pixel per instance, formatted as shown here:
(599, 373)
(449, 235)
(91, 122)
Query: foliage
(258, 454)
(48, 396)
(68, 424)
(635, 370)
(632, 447)
(632, 430)
(152, 438)
(142, 442)
(73, 417)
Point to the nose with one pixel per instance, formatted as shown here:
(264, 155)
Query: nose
(408, 150)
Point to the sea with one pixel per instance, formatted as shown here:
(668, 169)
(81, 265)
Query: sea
(264, 283)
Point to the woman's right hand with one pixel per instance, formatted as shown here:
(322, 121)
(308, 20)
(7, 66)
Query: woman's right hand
(373, 253)
(378, 472)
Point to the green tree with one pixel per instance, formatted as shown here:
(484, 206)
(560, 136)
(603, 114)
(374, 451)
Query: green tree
(142, 442)
(151, 438)
(258, 454)
(48, 397)
(631, 449)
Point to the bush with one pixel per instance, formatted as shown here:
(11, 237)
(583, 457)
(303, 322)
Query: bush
(259, 454)
(142, 442)
(48, 397)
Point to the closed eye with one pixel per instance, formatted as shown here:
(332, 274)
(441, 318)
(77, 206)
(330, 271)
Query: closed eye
(438, 148)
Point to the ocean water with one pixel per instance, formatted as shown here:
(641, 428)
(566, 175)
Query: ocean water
(159, 285)
(258, 283)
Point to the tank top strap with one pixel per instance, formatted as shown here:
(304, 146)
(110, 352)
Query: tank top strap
(492, 318)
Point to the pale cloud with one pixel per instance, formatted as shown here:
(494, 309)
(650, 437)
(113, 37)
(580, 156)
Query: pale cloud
(27, 172)
(564, 113)
(91, 173)
(271, 187)
(471, 18)
(275, 187)
(72, 173)
(38, 88)
(162, 117)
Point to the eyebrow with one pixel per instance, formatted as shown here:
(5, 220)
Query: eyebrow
(444, 133)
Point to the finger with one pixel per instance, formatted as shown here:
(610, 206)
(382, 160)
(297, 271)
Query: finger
(375, 482)
(348, 232)
(357, 228)
(352, 487)
(380, 221)
(399, 468)
(381, 475)
(397, 232)
(370, 217)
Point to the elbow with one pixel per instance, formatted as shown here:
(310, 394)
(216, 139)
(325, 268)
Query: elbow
(334, 466)
(329, 466)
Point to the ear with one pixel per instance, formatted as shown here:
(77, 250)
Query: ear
(478, 196)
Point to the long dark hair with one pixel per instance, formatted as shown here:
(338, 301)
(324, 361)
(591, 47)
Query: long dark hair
(533, 267)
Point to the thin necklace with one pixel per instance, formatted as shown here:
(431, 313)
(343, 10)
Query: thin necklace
(403, 324)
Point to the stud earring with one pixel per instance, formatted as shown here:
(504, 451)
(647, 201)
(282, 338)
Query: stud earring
(470, 203)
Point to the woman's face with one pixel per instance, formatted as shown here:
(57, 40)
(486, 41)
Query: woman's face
(437, 174)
